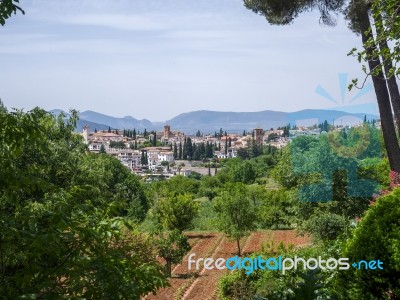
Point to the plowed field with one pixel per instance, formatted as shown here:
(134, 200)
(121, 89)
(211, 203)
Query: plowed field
(188, 284)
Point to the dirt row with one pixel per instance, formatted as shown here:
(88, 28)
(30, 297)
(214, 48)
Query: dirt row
(201, 243)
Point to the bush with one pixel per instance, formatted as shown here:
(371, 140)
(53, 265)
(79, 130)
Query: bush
(236, 285)
(377, 236)
(271, 285)
(326, 226)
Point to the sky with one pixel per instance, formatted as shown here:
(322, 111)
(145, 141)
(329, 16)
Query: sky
(155, 59)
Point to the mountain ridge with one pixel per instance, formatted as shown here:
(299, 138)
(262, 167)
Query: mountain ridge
(209, 121)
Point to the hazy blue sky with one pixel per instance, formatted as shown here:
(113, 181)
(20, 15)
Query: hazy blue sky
(157, 58)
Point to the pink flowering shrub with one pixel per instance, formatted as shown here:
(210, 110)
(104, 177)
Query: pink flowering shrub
(394, 182)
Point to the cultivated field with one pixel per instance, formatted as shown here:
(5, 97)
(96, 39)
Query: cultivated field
(201, 285)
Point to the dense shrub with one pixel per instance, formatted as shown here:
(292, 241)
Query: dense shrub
(377, 236)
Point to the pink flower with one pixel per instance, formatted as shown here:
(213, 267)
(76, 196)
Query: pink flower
(394, 178)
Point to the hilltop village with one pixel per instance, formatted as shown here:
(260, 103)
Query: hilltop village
(168, 153)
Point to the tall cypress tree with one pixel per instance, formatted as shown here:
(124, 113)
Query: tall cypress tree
(209, 150)
(180, 153)
(143, 159)
(175, 151)
(102, 149)
(189, 148)
(155, 139)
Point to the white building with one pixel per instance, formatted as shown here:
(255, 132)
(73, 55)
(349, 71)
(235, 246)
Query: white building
(166, 156)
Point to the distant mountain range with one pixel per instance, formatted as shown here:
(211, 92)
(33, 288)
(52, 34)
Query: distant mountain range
(210, 121)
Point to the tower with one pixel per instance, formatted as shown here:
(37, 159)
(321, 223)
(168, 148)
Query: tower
(258, 136)
(85, 133)
(167, 132)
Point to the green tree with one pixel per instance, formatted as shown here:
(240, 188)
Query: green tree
(175, 212)
(274, 208)
(58, 208)
(180, 153)
(385, 17)
(188, 149)
(236, 216)
(118, 145)
(326, 226)
(172, 246)
(154, 139)
(209, 153)
(165, 163)
(102, 149)
(143, 160)
(175, 151)
(357, 12)
(244, 172)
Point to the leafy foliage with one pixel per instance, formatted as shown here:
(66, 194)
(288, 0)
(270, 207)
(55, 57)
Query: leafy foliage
(237, 217)
(386, 19)
(262, 284)
(326, 226)
(172, 246)
(377, 236)
(7, 8)
(175, 212)
(118, 145)
(59, 231)
(276, 209)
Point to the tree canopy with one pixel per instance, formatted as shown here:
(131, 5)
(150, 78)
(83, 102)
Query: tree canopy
(60, 231)
(8, 8)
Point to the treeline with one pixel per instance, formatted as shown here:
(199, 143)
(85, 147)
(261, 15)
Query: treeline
(193, 151)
